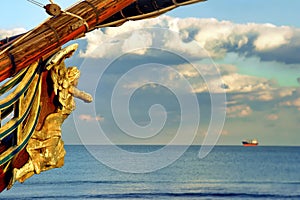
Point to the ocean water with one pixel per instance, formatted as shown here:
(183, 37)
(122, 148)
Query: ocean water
(228, 172)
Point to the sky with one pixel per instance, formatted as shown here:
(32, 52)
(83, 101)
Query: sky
(21, 13)
(170, 79)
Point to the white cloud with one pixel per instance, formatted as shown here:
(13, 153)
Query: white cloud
(265, 96)
(238, 111)
(232, 82)
(183, 35)
(186, 36)
(244, 83)
(272, 37)
(11, 32)
(138, 41)
(156, 76)
(90, 118)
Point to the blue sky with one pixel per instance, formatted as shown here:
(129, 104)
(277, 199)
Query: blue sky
(254, 44)
(21, 13)
(242, 11)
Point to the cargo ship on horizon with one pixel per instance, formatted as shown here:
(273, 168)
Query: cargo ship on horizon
(253, 142)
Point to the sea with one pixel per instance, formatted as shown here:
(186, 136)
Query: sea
(227, 172)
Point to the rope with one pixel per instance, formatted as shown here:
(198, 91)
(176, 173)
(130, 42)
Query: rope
(36, 3)
(78, 17)
(55, 33)
(95, 10)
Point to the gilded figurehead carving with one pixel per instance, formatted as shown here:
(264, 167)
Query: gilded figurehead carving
(46, 148)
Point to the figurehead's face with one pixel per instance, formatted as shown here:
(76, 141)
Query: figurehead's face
(73, 75)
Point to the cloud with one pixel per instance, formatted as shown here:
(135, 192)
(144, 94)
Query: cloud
(292, 103)
(228, 80)
(265, 41)
(261, 40)
(139, 40)
(238, 111)
(286, 92)
(89, 118)
(266, 94)
(244, 83)
(273, 37)
(226, 77)
(272, 117)
(186, 37)
(10, 32)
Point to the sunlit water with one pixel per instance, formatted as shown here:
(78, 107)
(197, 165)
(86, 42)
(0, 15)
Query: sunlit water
(228, 172)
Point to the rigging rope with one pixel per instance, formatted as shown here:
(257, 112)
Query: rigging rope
(36, 3)
(80, 18)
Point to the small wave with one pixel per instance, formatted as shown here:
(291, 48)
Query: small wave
(114, 182)
(80, 182)
(171, 195)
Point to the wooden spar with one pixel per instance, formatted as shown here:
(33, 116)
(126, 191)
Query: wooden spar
(142, 9)
(47, 38)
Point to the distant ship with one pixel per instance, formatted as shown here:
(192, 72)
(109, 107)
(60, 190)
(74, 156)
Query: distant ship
(253, 142)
